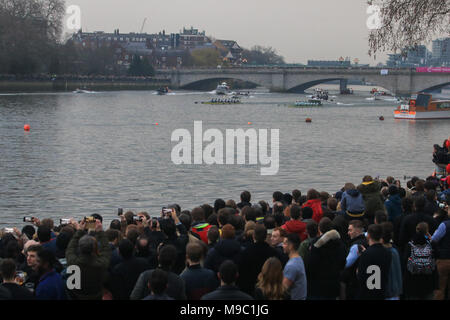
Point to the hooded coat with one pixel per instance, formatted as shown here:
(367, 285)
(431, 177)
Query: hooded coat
(316, 206)
(393, 207)
(372, 197)
(352, 201)
(324, 266)
(296, 226)
(226, 249)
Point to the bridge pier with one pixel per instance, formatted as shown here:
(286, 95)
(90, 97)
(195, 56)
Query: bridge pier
(343, 85)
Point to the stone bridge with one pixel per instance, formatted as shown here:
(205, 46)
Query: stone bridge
(296, 80)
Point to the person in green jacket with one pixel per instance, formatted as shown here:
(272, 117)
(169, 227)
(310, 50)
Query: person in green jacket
(373, 201)
(313, 232)
(91, 253)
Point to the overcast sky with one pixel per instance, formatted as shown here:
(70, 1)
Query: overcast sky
(298, 29)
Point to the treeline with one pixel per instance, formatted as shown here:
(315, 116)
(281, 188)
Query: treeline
(30, 43)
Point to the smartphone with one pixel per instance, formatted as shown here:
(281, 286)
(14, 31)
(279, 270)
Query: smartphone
(137, 218)
(166, 213)
(28, 219)
(442, 205)
(64, 221)
(119, 211)
(154, 223)
(9, 230)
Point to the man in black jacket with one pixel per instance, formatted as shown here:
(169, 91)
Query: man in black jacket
(175, 288)
(373, 267)
(253, 258)
(8, 272)
(325, 264)
(228, 274)
(409, 223)
(125, 274)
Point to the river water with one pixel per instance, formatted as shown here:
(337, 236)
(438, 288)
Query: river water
(96, 152)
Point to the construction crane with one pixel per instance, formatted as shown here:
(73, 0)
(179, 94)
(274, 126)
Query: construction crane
(143, 24)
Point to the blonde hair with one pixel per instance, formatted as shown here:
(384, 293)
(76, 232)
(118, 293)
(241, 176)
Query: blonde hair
(270, 279)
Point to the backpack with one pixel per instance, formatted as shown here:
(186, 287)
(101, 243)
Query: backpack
(421, 259)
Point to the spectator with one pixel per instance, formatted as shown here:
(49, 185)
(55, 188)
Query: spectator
(442, 239)
(199, 281)
(51, 285)
(395, 281)
(375, 262)
(125, 274)
(252, 259)
(421, 277)
(226, 249)
(8, 273)
(228, 275)
(270, 282)
(373, 201)
(295, 225)
(92, 255)
(175, 288)
(157, 285)
(393, 204)
(294, 272)
(325, 264)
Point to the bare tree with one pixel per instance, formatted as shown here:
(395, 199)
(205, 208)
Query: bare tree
(29, 32)
(408, 23)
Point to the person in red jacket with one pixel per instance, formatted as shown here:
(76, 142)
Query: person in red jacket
(199, 226)
(295, 225)
(313, 201)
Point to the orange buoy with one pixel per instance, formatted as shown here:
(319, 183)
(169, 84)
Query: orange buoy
(249, 123)
(26, 127)
(308, 120)
(157, 124)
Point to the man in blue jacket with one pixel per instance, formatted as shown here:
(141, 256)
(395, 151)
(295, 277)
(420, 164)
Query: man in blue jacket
(393, 204)
(51, 285)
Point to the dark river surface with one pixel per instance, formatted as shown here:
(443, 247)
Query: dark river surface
(95, 152)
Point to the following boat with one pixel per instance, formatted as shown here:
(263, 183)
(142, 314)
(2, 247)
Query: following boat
(222, 89)
(163, 90)
(423, 107)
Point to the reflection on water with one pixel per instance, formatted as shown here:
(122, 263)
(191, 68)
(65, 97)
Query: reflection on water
(90, 153)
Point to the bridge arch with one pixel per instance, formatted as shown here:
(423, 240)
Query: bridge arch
(435, 87)
(304, 86)
(212, 82)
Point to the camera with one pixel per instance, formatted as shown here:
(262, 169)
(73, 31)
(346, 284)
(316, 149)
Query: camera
(90, 222)
(28, 219)
(166, 213)
(119, 211)
(64, 221)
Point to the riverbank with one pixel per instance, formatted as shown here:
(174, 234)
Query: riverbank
(38, 85)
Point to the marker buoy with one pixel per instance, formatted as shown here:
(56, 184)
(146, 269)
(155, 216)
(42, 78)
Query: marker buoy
(26, 127)
(249, 123)
(157, 124)
(381, 118)
(308, 120)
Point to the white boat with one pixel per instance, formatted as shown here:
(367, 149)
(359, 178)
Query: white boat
(423, 108)
(82, 91)
(222, 88)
